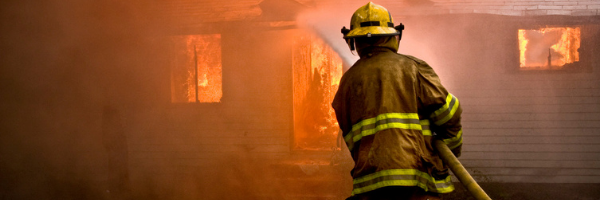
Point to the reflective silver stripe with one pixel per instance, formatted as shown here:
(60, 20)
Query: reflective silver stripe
(349, 141)
(401, 177)
(381, 122)
(425, 127)
(454, 141)
(446, 112)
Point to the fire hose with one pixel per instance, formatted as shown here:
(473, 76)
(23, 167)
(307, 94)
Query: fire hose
(459, 171)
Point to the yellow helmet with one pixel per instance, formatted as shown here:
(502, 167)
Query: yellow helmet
(371, 20)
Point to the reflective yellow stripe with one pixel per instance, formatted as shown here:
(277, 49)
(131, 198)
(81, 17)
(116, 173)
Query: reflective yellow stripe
(349, 142)
(386, 126)
(425, 127)
(443, 108)
(453, 146)
(454, 141)
(401, 177)
(382, 117)
(381, 122)
(447, 111)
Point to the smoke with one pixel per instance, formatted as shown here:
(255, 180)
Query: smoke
(62, 62)
(86, 113)
(417, 40)
(327, 24)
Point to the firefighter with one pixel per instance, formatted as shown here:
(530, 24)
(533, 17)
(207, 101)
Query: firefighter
(391, 107)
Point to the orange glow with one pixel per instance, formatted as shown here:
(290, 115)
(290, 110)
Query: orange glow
(549, 47)
(196, 74)
(317, 73)
(203, 81)
(522, 46)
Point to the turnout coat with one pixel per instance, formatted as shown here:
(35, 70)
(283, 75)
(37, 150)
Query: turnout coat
(390, 108)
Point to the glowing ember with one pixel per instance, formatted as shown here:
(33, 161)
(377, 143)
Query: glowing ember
(202, 81)
(548, 47)
(317, 73)
(196, 69)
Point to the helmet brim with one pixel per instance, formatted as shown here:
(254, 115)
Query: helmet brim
(372, 31)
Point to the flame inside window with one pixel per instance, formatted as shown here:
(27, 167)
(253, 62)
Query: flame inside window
(196, 69)
(317, 71)
(549, 48)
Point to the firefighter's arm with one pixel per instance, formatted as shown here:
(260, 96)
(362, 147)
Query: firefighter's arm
(448, 126)
(339, 106)
(442, 108)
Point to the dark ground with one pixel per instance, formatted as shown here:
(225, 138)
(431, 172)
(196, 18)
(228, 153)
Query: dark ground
(531, 191)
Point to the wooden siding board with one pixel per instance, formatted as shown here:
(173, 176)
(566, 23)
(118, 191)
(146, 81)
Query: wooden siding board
(521, 100)
(477, 117)
(505, 92)
(208, 158)
(216, 139)
(538, 179)
(566, 156)
(563, 139)
(533, 108)
(250, 133)
(215, 119)
(213, 148)
(534, 172)
(534, 124)
(574, 148)
(530, 163)
(533, 81)
(532, 131)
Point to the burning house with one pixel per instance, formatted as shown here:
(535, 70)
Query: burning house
(195, 99)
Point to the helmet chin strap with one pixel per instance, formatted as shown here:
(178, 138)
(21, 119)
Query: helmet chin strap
(349, 41)
(399, 28)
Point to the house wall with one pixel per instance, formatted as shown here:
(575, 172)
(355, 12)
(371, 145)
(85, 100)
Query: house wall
(519, 126)
(195, 149)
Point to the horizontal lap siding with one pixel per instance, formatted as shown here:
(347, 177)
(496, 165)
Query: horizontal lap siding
(560, 164)
(538, 178)
(519, 126)
(533, 140)
(545, 130)
(528, 155)
(517, 133)
(534, 131)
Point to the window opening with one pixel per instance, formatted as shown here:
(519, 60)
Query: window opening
(548, 48)
(196, 69)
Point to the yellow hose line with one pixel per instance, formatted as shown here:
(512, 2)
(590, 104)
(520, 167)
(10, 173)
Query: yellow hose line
(459, 171)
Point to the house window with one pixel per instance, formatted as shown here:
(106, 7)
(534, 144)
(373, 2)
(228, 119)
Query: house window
(196, 69)
(317, 71)
(549, 48)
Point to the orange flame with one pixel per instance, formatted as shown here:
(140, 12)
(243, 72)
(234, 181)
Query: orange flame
(203, 81)
(317, 73)
(522, 46)
(549, 47)
(567, 45)
(197, 70)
